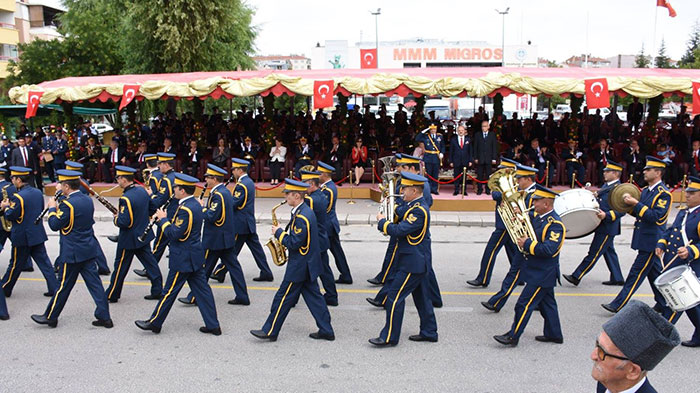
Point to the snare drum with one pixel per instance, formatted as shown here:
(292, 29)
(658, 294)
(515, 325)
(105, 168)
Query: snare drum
(680, 287)
(578, 209)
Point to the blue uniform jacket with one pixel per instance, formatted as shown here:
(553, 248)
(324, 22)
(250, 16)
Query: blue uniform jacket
(319, 204)
(133, 218)
(6, 153)
(154, 181)
(331, 192)
(427, 196)
(218, 220)
(244, 204)
(411, 234)
(165, 191)
(610, 225)
(652, 213)
(672, 239)
(184, 232)
(25, 206)
(433, 147)
(74, 220)
(61, 150)
(301, 240)
(541, 267)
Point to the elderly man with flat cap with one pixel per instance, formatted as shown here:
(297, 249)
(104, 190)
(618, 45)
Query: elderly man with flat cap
(631, 344)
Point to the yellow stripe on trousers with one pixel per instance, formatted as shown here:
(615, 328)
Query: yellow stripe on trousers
(634, 286)
(595, 258)
(393, 254)
(14, 264)
(119, 269)
(391, 317)
(279, 308)
(525, 310)
(513, 284)
(170, 291)
(55, 297)
(488, 265)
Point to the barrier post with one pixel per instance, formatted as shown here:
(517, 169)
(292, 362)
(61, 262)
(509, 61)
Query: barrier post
(546, 173)
(464, 181)
(373, 171)
(352, 186)
(573, 180)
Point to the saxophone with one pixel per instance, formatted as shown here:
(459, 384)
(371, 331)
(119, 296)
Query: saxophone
(6, 225)
(277, 250)
(517, 221)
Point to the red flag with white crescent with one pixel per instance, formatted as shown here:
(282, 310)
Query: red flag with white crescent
(33, 101)
(368, 58)
(129, 92)
(666, 4)
(696, 98)
(597, 94)
(323, 94)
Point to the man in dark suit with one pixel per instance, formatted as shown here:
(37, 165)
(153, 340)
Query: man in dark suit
(635, 113)
(460, 157)
(634, 158)
(193, 160)
(24, 157)
(335, 156)
(485, 154)
(115, 156)
(601, 156)
(693, 159)
(539, 157)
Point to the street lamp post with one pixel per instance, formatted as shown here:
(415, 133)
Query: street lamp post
(503, 35)
(376, 30)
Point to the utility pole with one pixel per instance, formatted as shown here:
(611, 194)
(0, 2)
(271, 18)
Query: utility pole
(503, 35)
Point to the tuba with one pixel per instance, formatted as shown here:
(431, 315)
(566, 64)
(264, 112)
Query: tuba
(6, 225)
(388, 189)
(512, 207)
(277, 250)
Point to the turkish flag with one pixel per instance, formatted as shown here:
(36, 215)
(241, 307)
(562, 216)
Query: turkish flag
(33, 101)
(128, 94)
(696, 98)
(597, 95)
(368, 58)
(667, 5)
(323, 94)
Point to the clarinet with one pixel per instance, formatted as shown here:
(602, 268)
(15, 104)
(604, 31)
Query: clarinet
(142, 237)
(99, 197)
(59, 194)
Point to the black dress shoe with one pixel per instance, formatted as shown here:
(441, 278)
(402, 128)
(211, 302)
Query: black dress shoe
(418, 337)
(609, 308)
(216, 331)
(104, 272)
(113, 238)
(141, 273)
(28, 269)
(614, 283)
(112, 300)
(488, 192)
(48, 294)
(4, 317)
(42, 320)
(476, 283)
(489, 307)
(153, 297)
(437, 305)
(239, 301)
(343, 281)
(455, 192)
(261, 278)
(545, 339)
(478, 193)
(381, 343)
(570, 278)
(218, 277)
(145, 325)
(506, 340)
(262, 335)
(332, 303)
(321, 336)
(374, 302)
(689, 343)
(104, 323)
(186, 301)
(374, 281)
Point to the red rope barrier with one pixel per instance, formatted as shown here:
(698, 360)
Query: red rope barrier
(268, 188)
(341, 180)
(374, 170)
(476, 180)
(578, 183)
(444, 182)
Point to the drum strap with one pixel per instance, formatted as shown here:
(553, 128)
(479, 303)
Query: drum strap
(685, 236)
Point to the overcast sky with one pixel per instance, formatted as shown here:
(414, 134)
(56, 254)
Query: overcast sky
(557, 27)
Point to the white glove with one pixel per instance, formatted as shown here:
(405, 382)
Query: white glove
(579, 154)
(441, 155)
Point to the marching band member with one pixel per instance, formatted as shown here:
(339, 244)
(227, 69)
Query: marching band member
(680, 245)
(525, 176)
(166, 165)
(651, 211)
(132, 220)
(218, 239)
(499, 238)
(73, 218)
(603, 240)
(244, 219)
(10, 189)
(183, 232)
(330, 190)
(304, 266)
(317, 201)
(27, 238)
(156, 175)
(540, 271)
(412, 264)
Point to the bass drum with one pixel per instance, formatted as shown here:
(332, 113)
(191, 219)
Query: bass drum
(578, 209)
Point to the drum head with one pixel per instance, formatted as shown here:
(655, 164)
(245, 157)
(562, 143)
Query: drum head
(670, 275)
(580, 222)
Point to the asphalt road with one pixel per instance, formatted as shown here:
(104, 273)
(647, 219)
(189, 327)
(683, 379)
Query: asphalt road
(77, 357)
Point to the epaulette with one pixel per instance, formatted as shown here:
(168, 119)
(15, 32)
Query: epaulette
(682, 207)
(550, 219)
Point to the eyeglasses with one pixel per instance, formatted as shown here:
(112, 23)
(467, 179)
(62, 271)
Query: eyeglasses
(602, 354)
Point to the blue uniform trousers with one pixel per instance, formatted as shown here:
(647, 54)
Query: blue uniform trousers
(122, 263)
(101, 259)
(536, 298)
(433, 288)
(253, 243)
(201, 289)
(646, 264)
(400, 287)
(69, 275)
(339, 256)
(20, 258)
(160, 245)
(287, 296)
(509, 282)
(433, 170)
(499, 238)
(602, 245)
(228, 260)
(389, 256)
(3, 238)
(328, 280)
(3, 306)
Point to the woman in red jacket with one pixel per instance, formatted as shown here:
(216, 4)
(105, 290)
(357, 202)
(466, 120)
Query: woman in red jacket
(359, 160)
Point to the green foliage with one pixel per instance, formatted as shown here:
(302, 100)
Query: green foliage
(642, 60)
(284, 103)
(691, 56)
(662, 61)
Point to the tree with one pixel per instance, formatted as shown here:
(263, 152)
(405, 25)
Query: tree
(690, 55)
(642, 60)
(662, 61)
